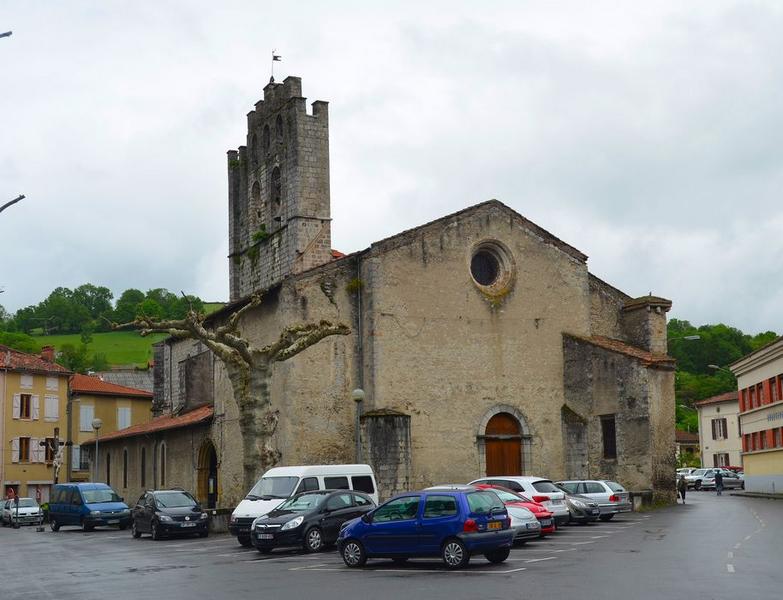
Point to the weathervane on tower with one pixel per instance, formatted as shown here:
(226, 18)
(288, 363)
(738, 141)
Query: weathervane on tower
(275, 58)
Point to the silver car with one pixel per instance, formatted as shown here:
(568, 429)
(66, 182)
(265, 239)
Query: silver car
(731, 481)
(524, 524)
(28, 512)
(612, 498)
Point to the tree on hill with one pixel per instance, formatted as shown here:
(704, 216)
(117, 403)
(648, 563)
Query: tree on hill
(127, 305)
(249, 369)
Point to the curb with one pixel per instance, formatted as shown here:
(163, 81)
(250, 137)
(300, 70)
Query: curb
(758, 495)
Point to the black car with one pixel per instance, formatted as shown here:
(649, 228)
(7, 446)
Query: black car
(166, 512)
(311, 520)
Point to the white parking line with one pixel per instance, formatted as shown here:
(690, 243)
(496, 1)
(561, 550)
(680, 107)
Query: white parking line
(731, 555)
(566, 543)
(533, 560)
(730, 568)
(737, 545)
(550, 550)
(463, 572)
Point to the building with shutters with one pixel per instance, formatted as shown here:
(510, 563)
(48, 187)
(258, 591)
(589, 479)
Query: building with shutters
(33, 397)
(760, 382)
(117, 406)
(720, 442)
(482, 342)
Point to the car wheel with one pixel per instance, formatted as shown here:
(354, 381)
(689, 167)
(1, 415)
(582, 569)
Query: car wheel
(742, 485)
(135, 530)
(245, 541)
(400, 560)
(314, 540)
(697, 485)
(54, 525)
(498, 556)
(455, 554)
(353, 554)
(155, 532)
(606, 518)
(123, 527)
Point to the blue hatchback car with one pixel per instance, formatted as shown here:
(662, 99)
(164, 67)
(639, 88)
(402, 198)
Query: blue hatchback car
(452, 524)
(87, 505)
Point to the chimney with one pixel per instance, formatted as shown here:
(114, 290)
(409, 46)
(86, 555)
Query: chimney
(47, 353)
(644, 322)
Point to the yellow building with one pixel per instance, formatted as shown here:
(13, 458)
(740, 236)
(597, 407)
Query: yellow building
(33, 399)
(117, 406)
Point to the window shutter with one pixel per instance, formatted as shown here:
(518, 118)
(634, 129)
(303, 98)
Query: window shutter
(123, 417)
(35, 408)
(15, 450)
(35, 455)
(86, 414)
(17, 405)
(76, 453)
(51, 408)
(714, 436)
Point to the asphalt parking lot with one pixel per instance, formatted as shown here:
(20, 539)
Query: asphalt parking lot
(710, 548)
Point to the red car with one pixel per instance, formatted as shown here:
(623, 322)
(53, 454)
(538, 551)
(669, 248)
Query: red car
(510, 498)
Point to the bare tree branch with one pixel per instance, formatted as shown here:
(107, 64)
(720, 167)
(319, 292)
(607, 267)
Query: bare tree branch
(19, 198)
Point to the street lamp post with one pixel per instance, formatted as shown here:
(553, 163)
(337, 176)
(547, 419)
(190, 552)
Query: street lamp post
(358, 397)
(96, 425)
(690, 338)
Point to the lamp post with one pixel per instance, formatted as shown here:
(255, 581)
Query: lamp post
(96, 425)
(358, 397)
(690, 338)
(719, 368)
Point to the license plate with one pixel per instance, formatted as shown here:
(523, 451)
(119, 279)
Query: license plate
(244, 530)
(596, 511)
(494, 525)
(188, 524)
(113, 521)
(557, 501)
(546, 522)
(266, 536)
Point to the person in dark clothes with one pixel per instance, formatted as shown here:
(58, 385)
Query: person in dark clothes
(682, 487)
(719, 482)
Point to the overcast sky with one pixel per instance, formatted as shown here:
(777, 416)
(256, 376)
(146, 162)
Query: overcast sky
(648, 136)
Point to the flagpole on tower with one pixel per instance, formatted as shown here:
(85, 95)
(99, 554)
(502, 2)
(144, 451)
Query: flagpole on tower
(275, 58)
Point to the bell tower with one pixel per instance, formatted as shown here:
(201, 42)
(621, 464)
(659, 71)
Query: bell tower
(278, 191)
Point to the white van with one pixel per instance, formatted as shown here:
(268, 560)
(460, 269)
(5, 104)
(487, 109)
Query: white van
(281, 483)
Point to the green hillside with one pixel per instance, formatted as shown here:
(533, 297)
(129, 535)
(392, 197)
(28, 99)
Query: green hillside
(119, 347)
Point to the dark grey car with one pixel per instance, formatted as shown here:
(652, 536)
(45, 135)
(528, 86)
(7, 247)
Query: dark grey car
(612, 498)
(583, 509)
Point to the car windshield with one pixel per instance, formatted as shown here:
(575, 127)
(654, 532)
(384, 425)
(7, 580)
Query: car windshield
(96, 496)
(27, 503)
(174, 500)
(545, 486)
(302, 502)
(699, 472)
(481, 503)
(614, 486)
(508, 496)
(269, 488)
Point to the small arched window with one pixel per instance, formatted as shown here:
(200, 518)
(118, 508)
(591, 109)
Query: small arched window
(265, 140)
(255, 203)
(125, 468)
(143, 465)
(254, 149)
(276, 193)
(279, 128)
(163, 465)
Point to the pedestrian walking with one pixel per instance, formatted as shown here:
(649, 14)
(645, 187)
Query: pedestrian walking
(719, 482)
(682, 487)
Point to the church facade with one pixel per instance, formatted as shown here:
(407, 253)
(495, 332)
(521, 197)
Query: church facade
(481, 341)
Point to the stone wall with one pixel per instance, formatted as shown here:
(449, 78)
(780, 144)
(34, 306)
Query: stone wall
(386, 447)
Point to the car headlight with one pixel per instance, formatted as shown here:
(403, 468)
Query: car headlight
(292, 524)
(204, 516)
(165, 518)
(95, 513)
(578, 503)
(233, 519)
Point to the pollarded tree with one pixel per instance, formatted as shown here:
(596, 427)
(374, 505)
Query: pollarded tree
(249, 369)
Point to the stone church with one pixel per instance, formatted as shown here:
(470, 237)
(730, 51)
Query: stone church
(482, 342)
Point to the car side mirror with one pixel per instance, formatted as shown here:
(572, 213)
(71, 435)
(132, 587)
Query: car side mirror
(367, 518)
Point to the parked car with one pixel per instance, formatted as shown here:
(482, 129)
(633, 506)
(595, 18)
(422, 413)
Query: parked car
(538, 490)
(685, 471)
(582, 508)
(694, 478)
(87, 505)
(545, 517)
(731, 481)
(29, 513)
(310, 520)
(168, 512)
(524, 523)
(611, 497)
(280, 483)
(452, 524)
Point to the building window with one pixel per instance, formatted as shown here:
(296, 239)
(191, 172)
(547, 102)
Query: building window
(254, 149)
(52, 384)
(125, 468)
(760, 394)
(26, 381)
(276, 193)
(143, 465)
(778, 436)
(123, 417)
(51, 408)
(76, 457)
(84, 461)
(86, 415)
(24, 449)
(49, 450)
(25, 402)
(279, 128)
(720, 430)
(609, 435)
(773, 390)
(721, 459)
(265, 139)
(485, 267)
(163, 465)
(108, 469)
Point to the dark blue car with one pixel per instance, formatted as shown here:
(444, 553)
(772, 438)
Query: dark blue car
(452, 524)
(87, 505)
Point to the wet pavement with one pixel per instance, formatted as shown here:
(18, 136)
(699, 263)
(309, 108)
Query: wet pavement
(711, 547)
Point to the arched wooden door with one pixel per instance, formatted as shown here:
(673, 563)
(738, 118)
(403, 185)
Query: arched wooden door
(503, 443)
(207, 475)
